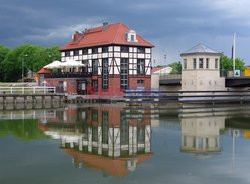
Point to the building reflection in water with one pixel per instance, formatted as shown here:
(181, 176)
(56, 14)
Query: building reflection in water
(201, 135)
(111, 139)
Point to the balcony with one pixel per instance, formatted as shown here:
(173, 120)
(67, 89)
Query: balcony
(67, 75)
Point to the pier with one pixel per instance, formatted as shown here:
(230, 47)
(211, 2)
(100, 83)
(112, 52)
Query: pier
(25, 95)
(213, 97)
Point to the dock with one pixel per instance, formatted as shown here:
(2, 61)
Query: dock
(33, 95)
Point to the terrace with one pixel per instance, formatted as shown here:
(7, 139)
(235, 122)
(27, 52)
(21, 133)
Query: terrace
(67, 75)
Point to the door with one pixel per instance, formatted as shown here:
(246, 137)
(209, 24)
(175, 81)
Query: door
(81, 88)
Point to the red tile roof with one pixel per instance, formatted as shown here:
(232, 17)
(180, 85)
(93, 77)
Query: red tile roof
(155, 69)
(44, 70)
(105, 35)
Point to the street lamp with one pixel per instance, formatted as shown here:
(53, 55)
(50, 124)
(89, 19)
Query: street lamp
(25, 55)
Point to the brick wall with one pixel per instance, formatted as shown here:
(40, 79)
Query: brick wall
(114, 84)
(71, 84)
(133, 82)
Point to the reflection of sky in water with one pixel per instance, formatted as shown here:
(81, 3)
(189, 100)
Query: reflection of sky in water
(42, 161)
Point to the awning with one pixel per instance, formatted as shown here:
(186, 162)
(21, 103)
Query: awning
(71, 64)
(53, 65)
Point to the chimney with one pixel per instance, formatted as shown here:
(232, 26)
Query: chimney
(105, 25)
(77, 35)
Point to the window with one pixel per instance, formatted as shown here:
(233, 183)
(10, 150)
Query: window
(140, 67)
(132, 39)
(76, 52)
(67, 53)
(94, 115)
(94, 134)
(216, 63)
(124, 130)
(95, 67)
(84, 51)
(131, 36)
(140, 81)
(141, 134)
(185, 64)
(207, 63)
(85, 69)
(201, 63)
(184, 140)
(95, 85)
(95, 50)
(194, 63)
(105, 127)
(124, 73)
(124, 49)
(105, 74)
(141, 50)
(105, 49)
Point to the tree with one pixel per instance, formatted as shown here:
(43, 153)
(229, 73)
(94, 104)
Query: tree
(27, 57)
(12, 65)
(3, 52)
(176, 67)
(47, 56)
(226, 63)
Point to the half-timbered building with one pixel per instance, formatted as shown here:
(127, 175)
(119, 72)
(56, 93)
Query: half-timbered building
(115, 57)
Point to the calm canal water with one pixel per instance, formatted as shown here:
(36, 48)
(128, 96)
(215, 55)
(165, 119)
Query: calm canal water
(118, 144)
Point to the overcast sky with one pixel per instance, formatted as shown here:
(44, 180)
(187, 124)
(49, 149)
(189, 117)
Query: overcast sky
(173, 26)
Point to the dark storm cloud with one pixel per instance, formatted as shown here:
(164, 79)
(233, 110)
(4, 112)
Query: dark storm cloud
(172, 25)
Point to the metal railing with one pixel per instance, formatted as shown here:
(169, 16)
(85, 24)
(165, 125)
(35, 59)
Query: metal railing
(67, 75)
(27, 90)
(230, 73)
(189, 96)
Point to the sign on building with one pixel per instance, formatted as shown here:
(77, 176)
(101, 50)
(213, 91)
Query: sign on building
(236, 73)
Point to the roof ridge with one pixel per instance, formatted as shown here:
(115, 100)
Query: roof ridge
(119, 26)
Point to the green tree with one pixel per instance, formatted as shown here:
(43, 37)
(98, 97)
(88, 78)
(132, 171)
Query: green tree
(176, 67)
(23, 129)
(226, 63)
(26, 57)
(3, 52)
(47, 56)
(12, 64)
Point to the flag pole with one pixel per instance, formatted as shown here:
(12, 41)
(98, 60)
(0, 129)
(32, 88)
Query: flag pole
(234, 44)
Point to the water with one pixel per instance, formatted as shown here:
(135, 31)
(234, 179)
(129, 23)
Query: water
(117, 144)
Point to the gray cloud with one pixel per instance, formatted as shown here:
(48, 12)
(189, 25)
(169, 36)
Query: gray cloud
(172, 25)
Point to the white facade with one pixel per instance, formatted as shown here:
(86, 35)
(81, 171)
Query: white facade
(201, 134)
(114, 146)
(138, 58)
(201, 70)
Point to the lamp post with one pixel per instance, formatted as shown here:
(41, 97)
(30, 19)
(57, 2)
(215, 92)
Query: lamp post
(234, 54)
(25, 55)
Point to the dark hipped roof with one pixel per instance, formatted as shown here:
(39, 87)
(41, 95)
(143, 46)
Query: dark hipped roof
(200, 49)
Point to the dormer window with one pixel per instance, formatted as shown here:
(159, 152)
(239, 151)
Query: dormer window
(131, 36)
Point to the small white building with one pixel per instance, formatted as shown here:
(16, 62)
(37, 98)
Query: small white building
(201, 135)
(201, 69)
(156, 73)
